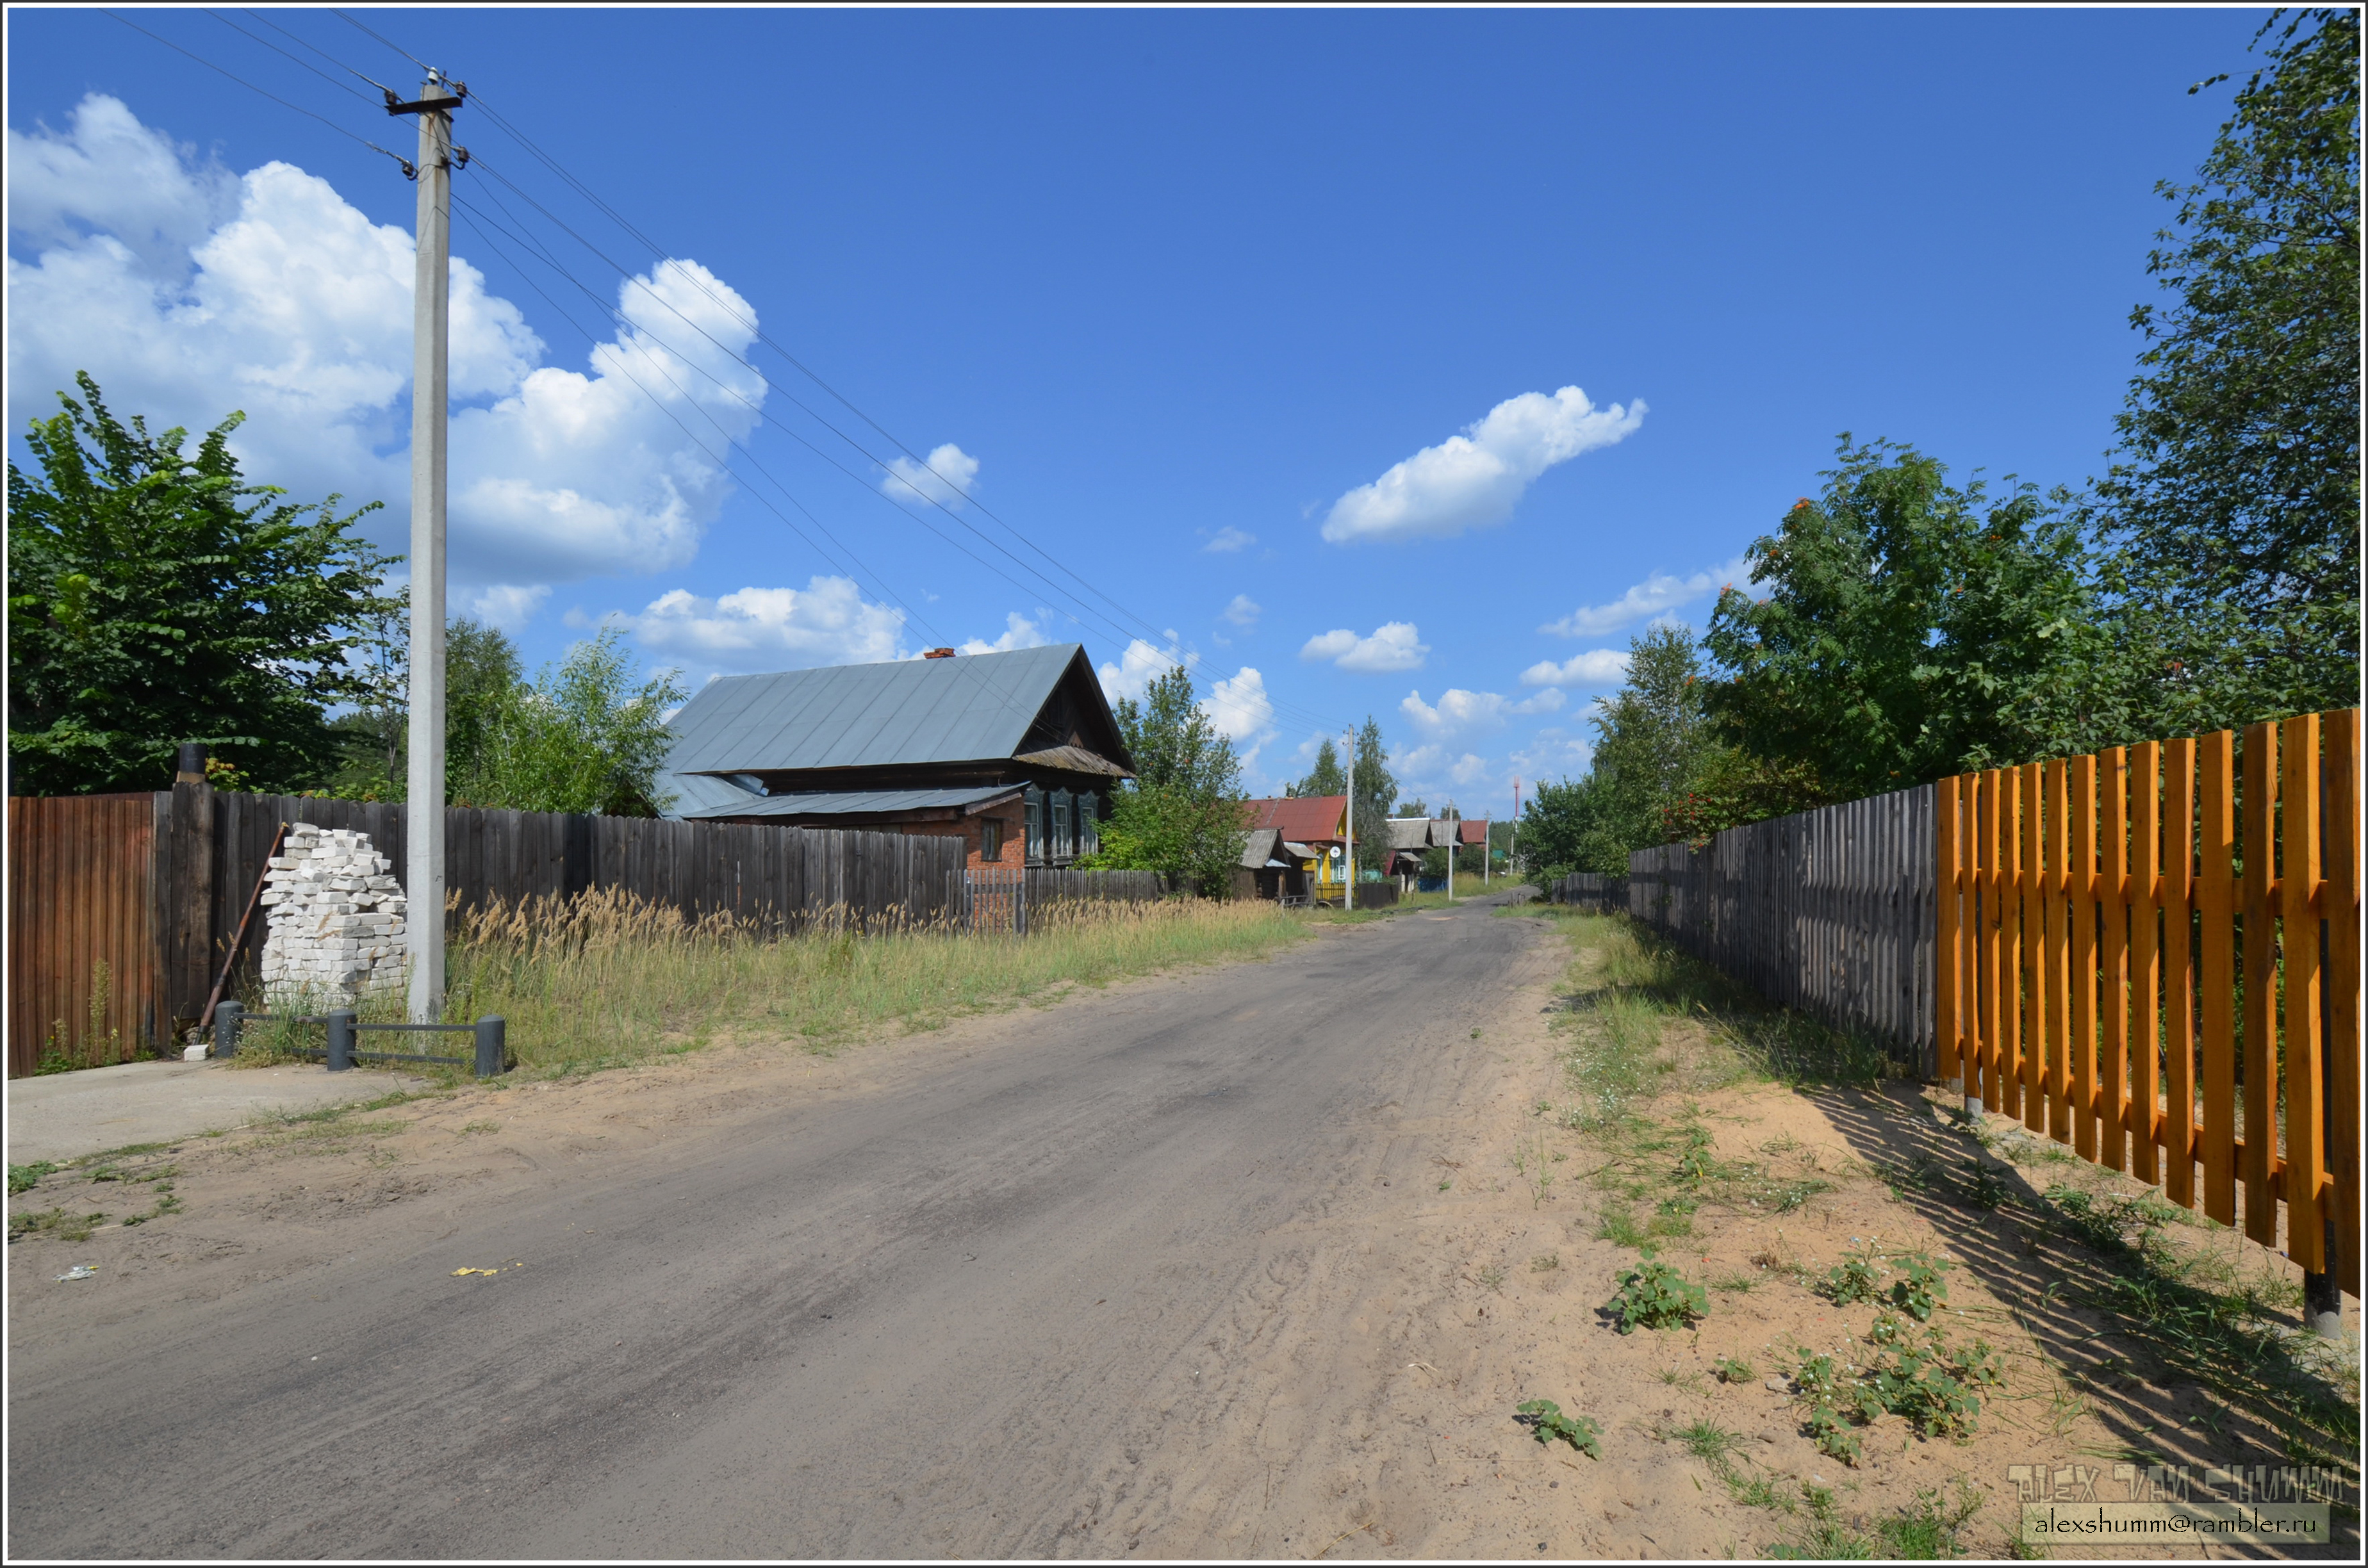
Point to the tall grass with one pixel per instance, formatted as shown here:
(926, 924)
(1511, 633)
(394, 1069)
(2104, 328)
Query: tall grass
(1635, 985)
(604, 978)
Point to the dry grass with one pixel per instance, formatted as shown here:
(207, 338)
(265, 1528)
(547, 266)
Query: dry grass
(602, 979)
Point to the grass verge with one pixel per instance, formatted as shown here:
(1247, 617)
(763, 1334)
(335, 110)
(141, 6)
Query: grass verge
(601, 979)
(2111, 1306)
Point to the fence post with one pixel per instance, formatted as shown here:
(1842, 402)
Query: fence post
(341, 1039)
(493, 1048)
(226, 1021)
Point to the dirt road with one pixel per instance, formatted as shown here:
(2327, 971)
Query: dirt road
(1078, 1280)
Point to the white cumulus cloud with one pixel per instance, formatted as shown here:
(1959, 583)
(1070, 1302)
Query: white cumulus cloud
(1137, 668)
(1018, 631)
(828, 622)
(1654, 597)
(946, 477)
(1602, 666)
(1228, 539)
(1462, 712)
(1434, 770)
(1243, 612)
(188, 291)
(1239, 707)
(1392, 646)
(509, 606)
(1477, 477)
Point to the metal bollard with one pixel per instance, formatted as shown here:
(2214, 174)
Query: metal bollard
(493, 1047)
(341, 1040)
(226, 1017)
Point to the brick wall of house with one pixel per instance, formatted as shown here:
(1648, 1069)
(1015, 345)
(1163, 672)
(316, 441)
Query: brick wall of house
(971, 830)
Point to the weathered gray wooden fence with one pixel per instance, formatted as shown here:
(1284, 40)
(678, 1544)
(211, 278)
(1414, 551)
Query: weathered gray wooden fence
(993, 898)
(155, 886)
(780, 878)
(1589, 891)
(1829, 911)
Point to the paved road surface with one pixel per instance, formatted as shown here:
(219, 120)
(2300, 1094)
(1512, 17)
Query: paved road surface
(68, 1115)
(934, 1321)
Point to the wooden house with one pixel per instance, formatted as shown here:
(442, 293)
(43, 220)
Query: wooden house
(1310, 832)
(1015, 752)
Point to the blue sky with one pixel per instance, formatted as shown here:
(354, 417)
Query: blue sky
(1258, 323)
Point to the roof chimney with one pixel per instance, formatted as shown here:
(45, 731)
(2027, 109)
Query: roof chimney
(939, 654)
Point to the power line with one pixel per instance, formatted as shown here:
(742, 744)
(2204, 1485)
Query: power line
(796, 436)
(324, 54)
(275, 49)
(795, 402)
(625, 322)
(518, 234)
(756, 331)
(389, 42)
(478, 222)
(251, 87)
(1144, 632)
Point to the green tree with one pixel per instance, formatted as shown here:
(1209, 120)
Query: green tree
(482, 674)
(1325, 779)
(1653, 738)
(1910, 629)
(482, 679)
(155, 598)
(373, 731)
(1560, 828)
(1182, 815)
(2233, 508)
(588, 735)
(1376, 789)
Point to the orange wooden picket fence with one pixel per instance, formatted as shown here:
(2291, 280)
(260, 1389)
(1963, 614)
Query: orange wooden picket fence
(2152, 955)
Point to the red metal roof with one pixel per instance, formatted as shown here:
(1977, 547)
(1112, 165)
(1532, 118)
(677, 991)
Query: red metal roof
(1314, 819)
(1471, 832)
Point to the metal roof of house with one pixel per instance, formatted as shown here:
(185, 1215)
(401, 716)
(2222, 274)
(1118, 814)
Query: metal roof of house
(1309, 819)
(855, 802)
(971, 707)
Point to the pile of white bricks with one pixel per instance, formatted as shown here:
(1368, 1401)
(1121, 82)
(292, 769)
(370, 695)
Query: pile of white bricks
(336, 916)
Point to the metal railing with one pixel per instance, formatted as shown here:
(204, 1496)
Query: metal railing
(492, 1034)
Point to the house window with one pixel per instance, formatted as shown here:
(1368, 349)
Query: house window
(990, 838)
(1090, 837)
(1061, 844)
(1035, 850)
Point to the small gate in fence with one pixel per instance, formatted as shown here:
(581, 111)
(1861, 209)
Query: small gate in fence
(992, 900)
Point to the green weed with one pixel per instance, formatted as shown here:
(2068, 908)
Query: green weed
(1732, 1369)
(1827, 1539)
(1547, 1422)
(54, 1223)
(24, 1178)
(1617, 1223)
(1655, 1295)
(1854, 1280)
(1711, 1443)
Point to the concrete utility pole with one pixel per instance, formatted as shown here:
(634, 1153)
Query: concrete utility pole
(1348, 858)
(430, 354)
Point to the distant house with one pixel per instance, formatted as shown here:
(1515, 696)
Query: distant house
(1017, 753)
(1411, 839)
(1310, 832)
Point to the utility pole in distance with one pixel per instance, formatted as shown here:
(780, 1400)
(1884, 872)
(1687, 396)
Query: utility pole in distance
(431, 322)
